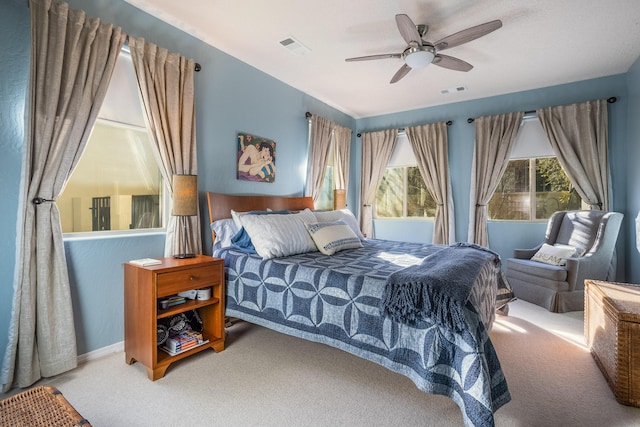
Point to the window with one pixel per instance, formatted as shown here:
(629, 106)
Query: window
(402, 192)
(534, 186)
(325, 199)
(117, 184)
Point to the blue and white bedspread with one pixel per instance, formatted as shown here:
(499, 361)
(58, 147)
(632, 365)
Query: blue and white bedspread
(335, 300)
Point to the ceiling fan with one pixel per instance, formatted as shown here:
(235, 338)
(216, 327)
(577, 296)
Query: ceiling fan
(419, 53)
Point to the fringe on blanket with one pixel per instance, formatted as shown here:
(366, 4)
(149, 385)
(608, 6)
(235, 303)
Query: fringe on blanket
(438, 288)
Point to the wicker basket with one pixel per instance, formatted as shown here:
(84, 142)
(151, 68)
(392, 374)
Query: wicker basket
(612, 330)
(39, 406)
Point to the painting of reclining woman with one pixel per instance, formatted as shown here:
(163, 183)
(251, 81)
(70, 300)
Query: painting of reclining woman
(256, 158)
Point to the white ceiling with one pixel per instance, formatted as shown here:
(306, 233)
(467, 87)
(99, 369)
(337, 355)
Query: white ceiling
(542, 43)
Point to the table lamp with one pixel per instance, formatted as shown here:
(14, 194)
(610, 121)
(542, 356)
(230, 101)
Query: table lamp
(185, 203)
(339, 199)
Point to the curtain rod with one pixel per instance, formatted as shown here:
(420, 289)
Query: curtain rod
(197, 67)
(308, 115)
(402, 130)
(609, 100)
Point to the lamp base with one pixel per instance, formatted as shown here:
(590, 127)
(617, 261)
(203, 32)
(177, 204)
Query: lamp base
(183, 256)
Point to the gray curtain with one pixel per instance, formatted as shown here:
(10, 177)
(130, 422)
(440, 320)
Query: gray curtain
(320, 145)
(430, 146)
(495, 136)
(377, 148)
(72, 59)
(578, 134)
(166, 83)
(342, 149)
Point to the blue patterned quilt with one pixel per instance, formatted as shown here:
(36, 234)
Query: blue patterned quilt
(335, 300)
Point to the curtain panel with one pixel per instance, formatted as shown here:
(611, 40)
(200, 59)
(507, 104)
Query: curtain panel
(320, 145)
(72, 60)
(377, 148)
(578, 134)
(430, 146)
(166, 84)
(495, 137)
(342, 143)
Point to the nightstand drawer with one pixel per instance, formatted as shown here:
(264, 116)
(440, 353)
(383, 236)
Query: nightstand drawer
(184, 280)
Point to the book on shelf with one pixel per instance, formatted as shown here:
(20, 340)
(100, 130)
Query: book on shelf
(171, 301)
(174, 352)
(143, 262)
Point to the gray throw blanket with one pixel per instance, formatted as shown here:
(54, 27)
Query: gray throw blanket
(438, 288)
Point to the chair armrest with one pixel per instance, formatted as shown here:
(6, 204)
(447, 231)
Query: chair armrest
(526, 253)
(591, 266)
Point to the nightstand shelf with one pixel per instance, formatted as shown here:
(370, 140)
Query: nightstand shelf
(187, 306)
(143, 288)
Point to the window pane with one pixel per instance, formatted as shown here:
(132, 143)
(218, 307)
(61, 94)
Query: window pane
(553, 189)
(511, 199)
(390, 195)
(325, 200)
(394, 190)
(116, 185)
(419, 201)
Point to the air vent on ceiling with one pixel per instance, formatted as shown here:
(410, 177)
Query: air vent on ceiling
(453, 90)
(295, 46)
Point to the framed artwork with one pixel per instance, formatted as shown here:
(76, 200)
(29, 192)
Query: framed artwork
(256, 158)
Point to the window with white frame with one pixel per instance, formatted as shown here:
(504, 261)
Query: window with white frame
(117, 184)
(534, 185)
(402, 192)
(325, 199)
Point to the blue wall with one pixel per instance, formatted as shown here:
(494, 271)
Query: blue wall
(14, 67)
(632, 152)
(505, 236)
(234, 97)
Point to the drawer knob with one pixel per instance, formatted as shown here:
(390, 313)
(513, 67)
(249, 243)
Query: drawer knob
(192, 278)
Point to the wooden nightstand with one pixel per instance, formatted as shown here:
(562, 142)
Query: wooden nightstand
(144, 286)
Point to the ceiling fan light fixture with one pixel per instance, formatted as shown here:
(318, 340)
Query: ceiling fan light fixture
(419, 58)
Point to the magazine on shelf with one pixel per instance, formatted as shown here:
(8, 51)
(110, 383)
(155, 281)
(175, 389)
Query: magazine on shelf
(176, 352)
(143, 262)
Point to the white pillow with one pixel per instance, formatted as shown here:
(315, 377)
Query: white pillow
(280, 235)
(343, 214)
(225, 229)
(554, 255)
(237, 215)
(331, 237)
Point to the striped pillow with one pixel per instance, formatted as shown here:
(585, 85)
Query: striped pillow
(280, 235)
(331, 237)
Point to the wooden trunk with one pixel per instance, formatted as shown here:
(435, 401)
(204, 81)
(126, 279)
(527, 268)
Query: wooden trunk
(612, 330)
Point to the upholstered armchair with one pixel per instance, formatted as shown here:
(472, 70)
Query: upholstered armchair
(578, 245)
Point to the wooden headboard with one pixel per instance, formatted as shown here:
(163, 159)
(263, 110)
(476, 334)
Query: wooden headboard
(220, 205)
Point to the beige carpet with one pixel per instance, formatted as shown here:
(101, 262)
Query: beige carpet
(265, 378)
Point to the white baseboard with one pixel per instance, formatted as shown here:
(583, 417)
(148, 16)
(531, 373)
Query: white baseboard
(101, 352)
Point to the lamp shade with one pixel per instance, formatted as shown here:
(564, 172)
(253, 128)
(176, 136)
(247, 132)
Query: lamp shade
(419, 57)
(185, 195)
(339, 199)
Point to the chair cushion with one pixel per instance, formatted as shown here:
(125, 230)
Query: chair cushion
(579, 229)
(555, 273)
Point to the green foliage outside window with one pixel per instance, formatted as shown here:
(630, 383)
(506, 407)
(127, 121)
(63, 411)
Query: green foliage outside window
(516, 199)
(403, 194)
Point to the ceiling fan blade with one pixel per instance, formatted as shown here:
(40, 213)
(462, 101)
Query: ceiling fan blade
(370, 57)
(408, 30)
(451, 63)
(467, 35)
(400, 73)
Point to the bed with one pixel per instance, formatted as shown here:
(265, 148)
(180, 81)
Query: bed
(337, 300)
